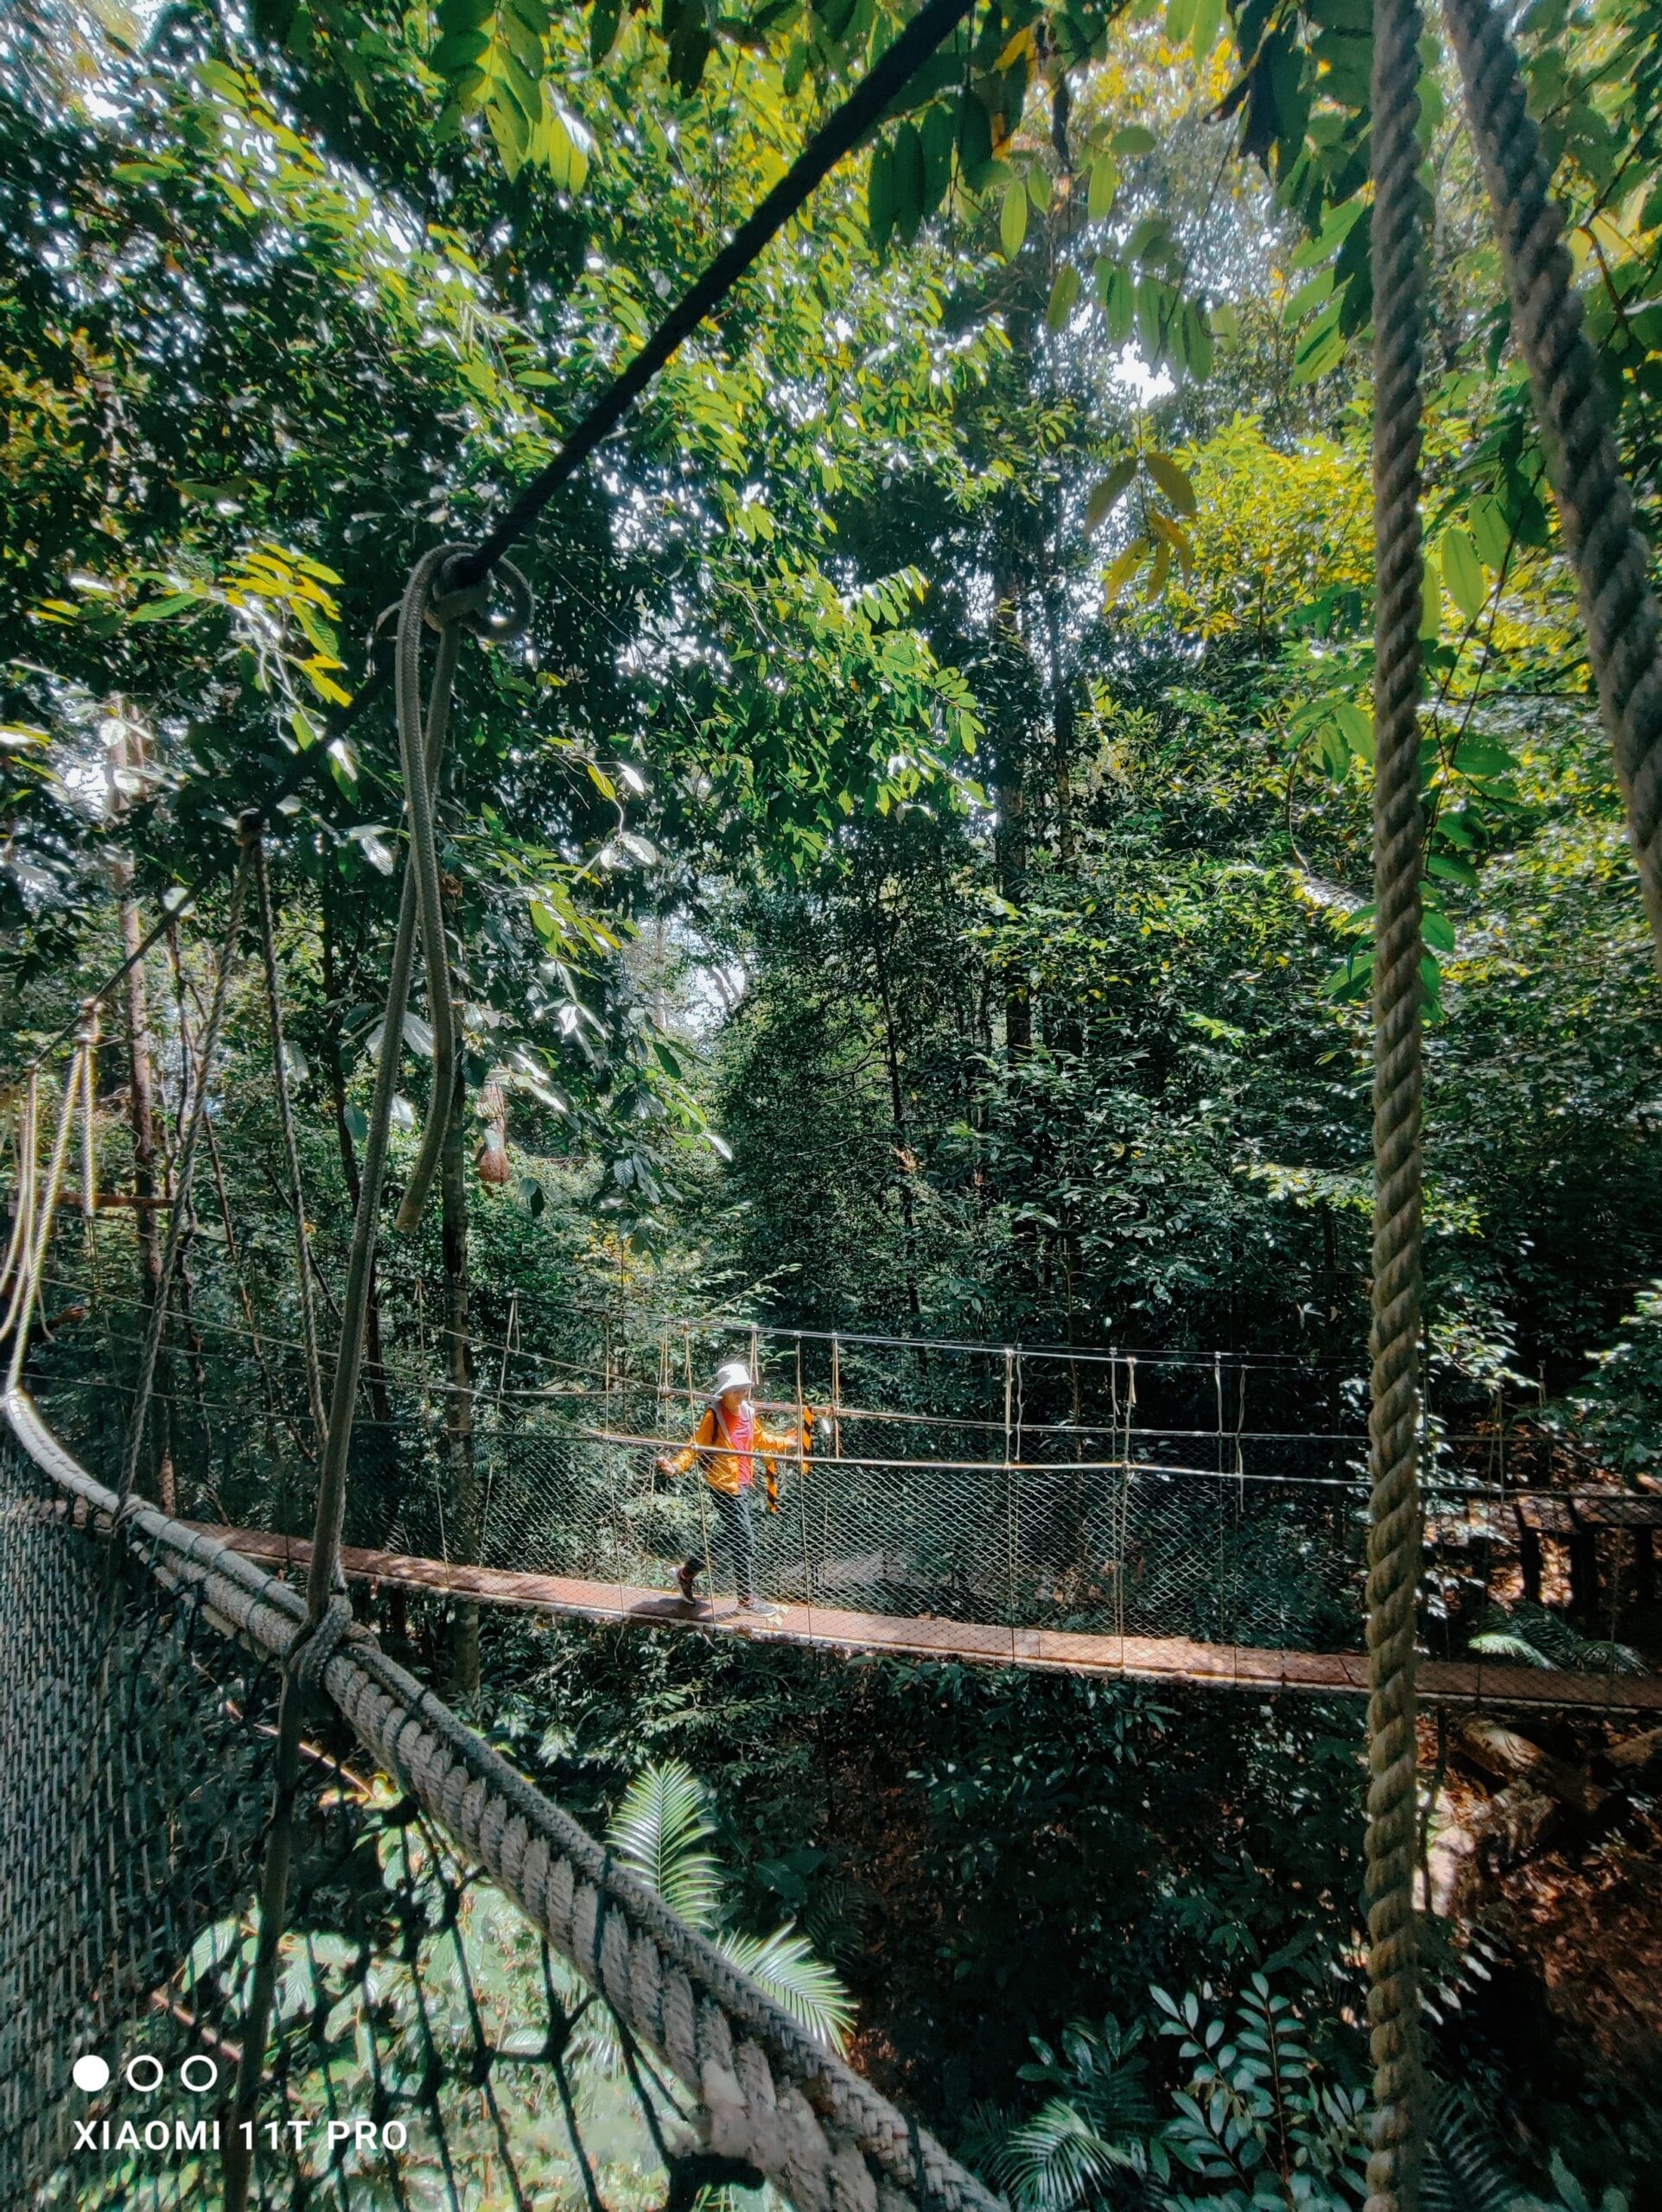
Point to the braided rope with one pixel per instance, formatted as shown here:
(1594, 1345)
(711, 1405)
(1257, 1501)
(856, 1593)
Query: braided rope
(1394, 1522)
(769, 2095)
(1595, 506)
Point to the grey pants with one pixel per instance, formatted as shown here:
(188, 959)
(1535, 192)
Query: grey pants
(732, 1535)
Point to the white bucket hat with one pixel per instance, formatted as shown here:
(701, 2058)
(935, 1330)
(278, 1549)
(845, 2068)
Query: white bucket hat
(731, 1375)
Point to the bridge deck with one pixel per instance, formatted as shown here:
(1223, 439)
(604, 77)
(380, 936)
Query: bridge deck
(1169, 1659)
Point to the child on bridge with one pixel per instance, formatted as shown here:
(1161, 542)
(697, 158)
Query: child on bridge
(729, 1437)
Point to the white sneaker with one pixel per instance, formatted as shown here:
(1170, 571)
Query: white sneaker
(758, 1608)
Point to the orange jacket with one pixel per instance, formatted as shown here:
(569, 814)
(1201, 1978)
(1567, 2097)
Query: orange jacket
(724, 1468)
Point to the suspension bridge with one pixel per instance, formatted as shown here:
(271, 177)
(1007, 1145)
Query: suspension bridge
(334, 1941)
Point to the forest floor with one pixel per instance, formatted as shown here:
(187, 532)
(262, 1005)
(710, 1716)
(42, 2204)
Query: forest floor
(1549, 1839)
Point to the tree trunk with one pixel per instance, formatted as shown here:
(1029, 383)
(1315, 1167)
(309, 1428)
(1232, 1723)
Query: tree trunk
(141, 1116)
(1061, 724)
(904, 1159)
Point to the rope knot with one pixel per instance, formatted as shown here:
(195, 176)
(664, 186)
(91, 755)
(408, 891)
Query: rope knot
(318, 1642)
(454, 599)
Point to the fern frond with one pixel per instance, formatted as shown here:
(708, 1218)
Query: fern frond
(659, 1830)
(785, 1966)
(1463, 2170)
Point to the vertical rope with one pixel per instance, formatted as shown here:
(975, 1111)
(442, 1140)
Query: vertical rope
(1394, 1521)
(286, 1125)
(184, 1174)
(1624, 635)
(420, 747)
(19, 1244)
(89, 1176)
(27, 1289)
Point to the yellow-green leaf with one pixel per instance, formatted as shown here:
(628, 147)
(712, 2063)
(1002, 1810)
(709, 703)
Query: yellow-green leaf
(1063, 293)
(1105, 182)
(1172, 481)
(1124, 569)
(1013, 220)
(1105, 492)
(1463, 573)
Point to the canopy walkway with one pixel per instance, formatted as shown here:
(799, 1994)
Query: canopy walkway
(311, 1982)
(1474, 1682)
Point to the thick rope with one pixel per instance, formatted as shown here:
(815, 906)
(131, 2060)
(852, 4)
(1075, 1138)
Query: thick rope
(1595, 506)
(328, 1614)
(20, 1243)
(770, 2094)
(184, 1178)
(1399, 835)
(448, 612)
(1398, 223)
(26, 1289)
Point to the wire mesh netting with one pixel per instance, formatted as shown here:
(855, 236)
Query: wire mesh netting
(1172, 1515)
(428, 2048)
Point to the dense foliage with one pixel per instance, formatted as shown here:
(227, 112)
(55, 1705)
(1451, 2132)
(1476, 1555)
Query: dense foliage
(913, 876)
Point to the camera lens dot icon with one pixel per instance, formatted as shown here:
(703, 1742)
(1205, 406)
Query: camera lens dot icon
(91, 2072)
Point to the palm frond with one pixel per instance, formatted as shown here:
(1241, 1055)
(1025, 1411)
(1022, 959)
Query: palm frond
(1502, 1643)
(1464, 2171)
(785, 1966)
(659, 1830)
(1054, 2160)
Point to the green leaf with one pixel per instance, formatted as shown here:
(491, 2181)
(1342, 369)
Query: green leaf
(1013, 220)
(1180, 21)
(1173, 481)
(1105, 492)
(1321, 348)
(1491, 532)
(659, 1830)
(909, 180)
(1208, 21)
(1116, 294)
(1105, 182)
(603, 20)
(1437, 930)
(1124, 569)
(974, 140)
(1133, 142)
(1356, 724)
(159, 610)
(1430, 603)
(1482, 760)
(562, 146)
(938, 132)
(880, 196)
(1463, 574)
(1038, 182)
(1063, 293)
(784, 1965)
(1451, 868)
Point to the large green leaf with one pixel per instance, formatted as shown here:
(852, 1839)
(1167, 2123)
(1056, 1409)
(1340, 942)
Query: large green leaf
(785, 1965)
(660, 1829)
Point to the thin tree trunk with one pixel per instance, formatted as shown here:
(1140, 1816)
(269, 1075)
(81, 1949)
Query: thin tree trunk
(141, 1116)
(904, 1159)
(1061, 712)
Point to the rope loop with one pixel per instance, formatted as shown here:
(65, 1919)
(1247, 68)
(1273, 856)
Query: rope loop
(455, 600)
(318, 1642)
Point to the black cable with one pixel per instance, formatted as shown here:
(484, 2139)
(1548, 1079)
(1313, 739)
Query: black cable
(840, 135)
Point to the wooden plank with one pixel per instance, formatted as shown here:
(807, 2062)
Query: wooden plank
(1143, 1658)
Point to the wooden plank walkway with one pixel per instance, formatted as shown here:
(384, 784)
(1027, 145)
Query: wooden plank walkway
(1145, 1658)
